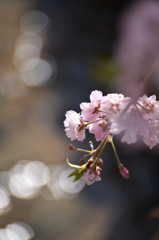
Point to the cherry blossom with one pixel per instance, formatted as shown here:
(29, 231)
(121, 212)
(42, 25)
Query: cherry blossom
(132, 123)
(112, 104)
(135, 118)
(89, 178)
(74, 126)
(90, 110)
(150, 106)
(151, 136)
(105, 117)
(99, 129)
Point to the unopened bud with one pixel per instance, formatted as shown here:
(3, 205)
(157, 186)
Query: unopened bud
(91, 144)
(124, 172)
(97, 172)
(72, 147)
(88, 164)
(100, 162)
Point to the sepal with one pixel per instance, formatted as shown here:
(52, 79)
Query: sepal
(78, 172)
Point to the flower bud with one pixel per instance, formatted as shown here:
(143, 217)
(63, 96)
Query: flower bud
(72, 147)
(97, 171)
(124, 172)
(100, 162)
(88, 164)
(91, 144)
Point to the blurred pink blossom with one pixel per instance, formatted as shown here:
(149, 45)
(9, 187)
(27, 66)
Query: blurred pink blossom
(138, 47)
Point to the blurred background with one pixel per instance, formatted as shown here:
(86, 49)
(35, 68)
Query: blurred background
(53, 53)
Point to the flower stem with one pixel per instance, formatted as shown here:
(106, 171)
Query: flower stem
(100, 150)
(84, 150)
(85, 124)
(115, 152)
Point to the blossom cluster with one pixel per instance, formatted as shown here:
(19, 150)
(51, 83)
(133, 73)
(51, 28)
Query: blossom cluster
(106, 116)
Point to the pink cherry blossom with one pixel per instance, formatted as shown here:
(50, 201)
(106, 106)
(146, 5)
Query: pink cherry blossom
(113, 104)
(150, 107)
(151, 140)
(150, 113)
(74, 126)
(96, 97)
(99, 129)
(151, 136)
(131, 123)
(142, 120)
(134, 125)
(147, 101)
(89, 178)
(114, 99)
(90, 110)
(107, 116)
